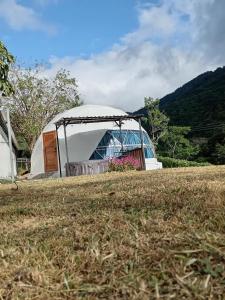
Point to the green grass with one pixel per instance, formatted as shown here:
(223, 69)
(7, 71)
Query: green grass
(135, 235)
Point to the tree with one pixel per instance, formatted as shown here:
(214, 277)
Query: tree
(6, 59)
(38, 99)
(156, 122)
(219, 154)
(216, 147)
(175, 143)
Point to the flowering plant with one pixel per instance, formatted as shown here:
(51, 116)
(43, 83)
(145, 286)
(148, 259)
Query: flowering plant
(125, 163)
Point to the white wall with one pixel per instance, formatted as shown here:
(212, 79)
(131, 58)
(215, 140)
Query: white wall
(80, 147)
(5, 166)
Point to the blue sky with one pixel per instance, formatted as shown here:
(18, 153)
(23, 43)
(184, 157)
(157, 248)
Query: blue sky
(120, 51)
(78, 28)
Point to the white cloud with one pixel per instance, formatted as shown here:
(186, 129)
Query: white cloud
(172, 44)
(20, 17)
(155, 23)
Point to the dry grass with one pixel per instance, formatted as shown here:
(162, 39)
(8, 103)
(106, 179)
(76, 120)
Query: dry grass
(139, 235)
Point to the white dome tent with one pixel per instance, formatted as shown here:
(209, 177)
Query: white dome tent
(93, 133)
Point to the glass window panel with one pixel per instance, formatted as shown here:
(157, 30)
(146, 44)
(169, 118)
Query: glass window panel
(110, 144)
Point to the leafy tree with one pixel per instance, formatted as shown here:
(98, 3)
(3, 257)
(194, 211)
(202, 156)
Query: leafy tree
(38, 99)
(216, 147)
(219, 154)
(155, 122)
(175, 143)
(6, 59)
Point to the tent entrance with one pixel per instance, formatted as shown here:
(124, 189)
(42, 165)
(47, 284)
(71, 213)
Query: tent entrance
(50, 151)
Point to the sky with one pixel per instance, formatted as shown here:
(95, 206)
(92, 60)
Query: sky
(120, 51)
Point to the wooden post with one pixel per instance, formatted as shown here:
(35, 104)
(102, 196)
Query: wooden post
(142, 143)
(66, 146)
(59, 159)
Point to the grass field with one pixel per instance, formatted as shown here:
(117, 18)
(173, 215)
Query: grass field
(139, 235)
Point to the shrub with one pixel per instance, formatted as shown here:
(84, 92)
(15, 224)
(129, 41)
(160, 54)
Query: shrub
(5, 181)
(169, 162)
(122, 164)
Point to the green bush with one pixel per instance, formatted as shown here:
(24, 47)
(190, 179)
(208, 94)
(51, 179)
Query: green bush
(169, 162)
(5, 181)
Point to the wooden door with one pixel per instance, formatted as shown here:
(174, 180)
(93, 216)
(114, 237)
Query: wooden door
(50, 151)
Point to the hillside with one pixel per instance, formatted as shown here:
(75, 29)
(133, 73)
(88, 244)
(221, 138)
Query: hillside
(137, 235)
(199, 103)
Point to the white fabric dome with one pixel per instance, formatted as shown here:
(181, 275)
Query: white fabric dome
(82, 138)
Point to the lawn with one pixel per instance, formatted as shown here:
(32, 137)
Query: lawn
(138, 235)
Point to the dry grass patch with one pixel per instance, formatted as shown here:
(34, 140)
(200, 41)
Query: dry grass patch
(137, 235)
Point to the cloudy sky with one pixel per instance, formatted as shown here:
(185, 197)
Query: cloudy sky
(119, 50)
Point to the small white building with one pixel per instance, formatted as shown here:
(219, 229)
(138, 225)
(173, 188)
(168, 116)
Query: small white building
(87, 141)
(5, 157)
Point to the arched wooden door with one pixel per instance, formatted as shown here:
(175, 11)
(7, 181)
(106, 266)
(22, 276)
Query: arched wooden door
(50, 151)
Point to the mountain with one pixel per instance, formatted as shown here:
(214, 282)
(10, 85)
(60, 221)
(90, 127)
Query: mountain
(200, 103)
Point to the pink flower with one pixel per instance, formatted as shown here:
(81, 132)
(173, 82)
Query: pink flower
(124, 163)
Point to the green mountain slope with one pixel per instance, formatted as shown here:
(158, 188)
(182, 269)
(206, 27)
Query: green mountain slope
(200, 103)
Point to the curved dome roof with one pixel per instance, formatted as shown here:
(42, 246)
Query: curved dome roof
(89, 111)
(92, 111)
(86, 111)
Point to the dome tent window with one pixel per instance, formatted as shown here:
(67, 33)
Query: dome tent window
(111, 144)
(83, 138)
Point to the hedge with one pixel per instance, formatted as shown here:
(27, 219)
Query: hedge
(169, 162)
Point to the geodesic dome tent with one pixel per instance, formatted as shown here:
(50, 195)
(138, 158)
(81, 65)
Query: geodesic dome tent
(87, 141)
